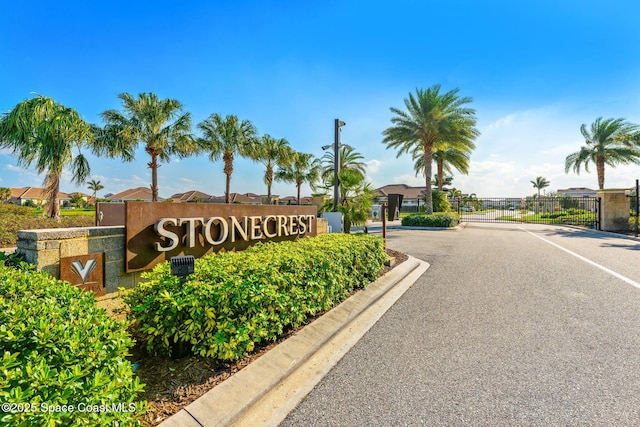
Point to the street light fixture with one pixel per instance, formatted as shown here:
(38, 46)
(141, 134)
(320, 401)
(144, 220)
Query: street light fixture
(336, 161)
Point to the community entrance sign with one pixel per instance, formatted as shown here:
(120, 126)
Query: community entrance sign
(157, 231)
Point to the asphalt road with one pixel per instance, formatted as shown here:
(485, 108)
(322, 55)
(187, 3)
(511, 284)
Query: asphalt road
(512, 325)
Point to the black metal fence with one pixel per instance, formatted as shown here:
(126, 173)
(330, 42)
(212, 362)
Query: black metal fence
(581, 211)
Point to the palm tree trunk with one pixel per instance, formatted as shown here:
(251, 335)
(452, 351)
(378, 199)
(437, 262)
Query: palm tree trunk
(228, 170)
(153, 165)
(51, 191)
(440, 174)
(428, 195)
(269, 179)
(600, 170)
(299, 184)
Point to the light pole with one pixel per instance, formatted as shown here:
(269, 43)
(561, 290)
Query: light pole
(336, 161)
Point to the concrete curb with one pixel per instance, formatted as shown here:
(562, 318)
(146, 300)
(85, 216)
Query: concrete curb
(264, 392)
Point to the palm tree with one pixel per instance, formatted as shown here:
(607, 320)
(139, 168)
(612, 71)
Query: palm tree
(224, 138)
(608, 142)
(95, 186)
(272, 152)
(303, 168)
(431, 119)
(446, 159)
(540, 183)
(158, 123)
(349, 160)
(42, 131)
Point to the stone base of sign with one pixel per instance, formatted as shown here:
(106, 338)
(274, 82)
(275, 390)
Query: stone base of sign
(614, 209)
(45, 247)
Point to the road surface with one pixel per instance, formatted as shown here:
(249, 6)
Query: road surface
(513, 324)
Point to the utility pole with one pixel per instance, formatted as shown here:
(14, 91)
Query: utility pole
(336, 163)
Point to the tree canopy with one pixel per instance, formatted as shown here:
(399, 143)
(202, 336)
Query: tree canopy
(49, 136)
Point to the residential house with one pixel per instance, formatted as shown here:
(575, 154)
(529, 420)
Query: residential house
(413, 197)
(34, 196)
(292, 200)
(577, 192)
(245, 199)
(190, 197)
(133, 194)
(582, 193)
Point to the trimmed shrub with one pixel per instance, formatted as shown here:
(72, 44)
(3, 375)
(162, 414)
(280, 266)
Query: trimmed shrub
(57, 348)
(235, 300)
(438, 219)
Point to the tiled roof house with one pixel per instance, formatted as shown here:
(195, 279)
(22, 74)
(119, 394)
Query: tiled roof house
(139, 193)
(34, 195)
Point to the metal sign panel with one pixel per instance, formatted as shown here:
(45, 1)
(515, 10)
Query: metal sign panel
(156, 231)
(85, 272)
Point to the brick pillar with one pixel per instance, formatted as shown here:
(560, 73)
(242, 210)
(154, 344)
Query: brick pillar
(614, 209)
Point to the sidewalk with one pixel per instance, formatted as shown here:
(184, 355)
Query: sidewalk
(265, 392)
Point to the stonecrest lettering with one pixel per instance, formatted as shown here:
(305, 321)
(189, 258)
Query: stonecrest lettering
(217, 230)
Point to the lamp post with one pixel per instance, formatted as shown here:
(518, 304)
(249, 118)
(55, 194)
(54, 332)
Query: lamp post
(336, 161)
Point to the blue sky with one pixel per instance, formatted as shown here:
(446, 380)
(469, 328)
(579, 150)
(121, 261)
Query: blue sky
(536, 71)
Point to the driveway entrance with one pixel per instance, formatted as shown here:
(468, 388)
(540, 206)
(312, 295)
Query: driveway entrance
(582, 211)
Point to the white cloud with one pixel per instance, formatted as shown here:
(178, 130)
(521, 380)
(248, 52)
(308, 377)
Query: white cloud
(372, 166)
(187, 181)
(412, 180)
(12, 168)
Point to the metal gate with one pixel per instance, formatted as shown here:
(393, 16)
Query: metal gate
(581, 211)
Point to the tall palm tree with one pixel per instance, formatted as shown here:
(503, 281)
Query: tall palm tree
(43, 132)
(540, 183)
(272, 152)
(95, 186)
(431, 118)
(225, 137)
(608, 142)
(160, 124)
(303, 168)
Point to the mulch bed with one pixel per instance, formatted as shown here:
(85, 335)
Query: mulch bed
(173, 384)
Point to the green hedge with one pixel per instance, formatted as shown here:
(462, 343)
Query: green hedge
(437, 219)
(235, 300)
(57, 348)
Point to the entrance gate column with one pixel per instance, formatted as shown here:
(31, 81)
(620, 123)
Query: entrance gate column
(615, 209)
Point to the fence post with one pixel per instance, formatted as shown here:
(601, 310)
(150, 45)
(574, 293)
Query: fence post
(637, 205)
(384, 224)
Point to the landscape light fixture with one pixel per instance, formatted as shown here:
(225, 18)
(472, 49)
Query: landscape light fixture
(182, 266)
(336, 161)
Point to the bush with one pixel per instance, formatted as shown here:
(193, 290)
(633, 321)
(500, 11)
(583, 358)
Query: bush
(58, 348)
(440, 201)
(438, 219)
(235, 300)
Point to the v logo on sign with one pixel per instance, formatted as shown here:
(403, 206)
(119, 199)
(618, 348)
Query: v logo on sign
(83, 272)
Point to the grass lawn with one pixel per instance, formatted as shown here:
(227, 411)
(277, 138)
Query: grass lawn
(14, 218)
(70, 212)
(587, 219)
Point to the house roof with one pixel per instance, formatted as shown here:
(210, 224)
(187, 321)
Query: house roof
(407, 191)
(190, 196)
(138, 193)
(246, 198)
(34, 193)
